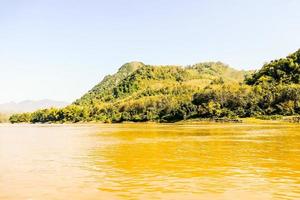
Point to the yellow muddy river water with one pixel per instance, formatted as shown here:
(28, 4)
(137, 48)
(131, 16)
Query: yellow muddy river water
(150, 161)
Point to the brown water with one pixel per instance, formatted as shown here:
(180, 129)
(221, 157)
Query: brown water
(147, 161)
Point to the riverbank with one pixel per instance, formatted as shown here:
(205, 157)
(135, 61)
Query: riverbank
(260, 119)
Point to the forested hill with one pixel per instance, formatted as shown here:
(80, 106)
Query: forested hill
(103, 90)
(136, 80)
(281, 71)
(140, 92)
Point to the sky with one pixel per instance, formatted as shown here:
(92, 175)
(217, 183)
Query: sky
(59, 49)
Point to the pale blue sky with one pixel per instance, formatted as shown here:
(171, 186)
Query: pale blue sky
(59, 49)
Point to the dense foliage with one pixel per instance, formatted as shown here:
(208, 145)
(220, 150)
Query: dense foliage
(139, 92)
(282, 71)
(247, 101)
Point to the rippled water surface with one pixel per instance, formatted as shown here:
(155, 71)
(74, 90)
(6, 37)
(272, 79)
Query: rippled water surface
(148, 161)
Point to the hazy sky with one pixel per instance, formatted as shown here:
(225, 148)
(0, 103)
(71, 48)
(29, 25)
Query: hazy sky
(59, 49)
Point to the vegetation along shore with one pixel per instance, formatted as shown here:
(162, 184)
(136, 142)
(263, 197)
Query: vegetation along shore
(140, 93)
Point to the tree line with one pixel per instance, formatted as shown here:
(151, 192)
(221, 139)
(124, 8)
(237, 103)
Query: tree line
(216, 101)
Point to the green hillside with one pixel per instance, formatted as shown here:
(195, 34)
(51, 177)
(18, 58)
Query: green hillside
(136, 80)
(281, 71)
(102, 91)
(140, 92)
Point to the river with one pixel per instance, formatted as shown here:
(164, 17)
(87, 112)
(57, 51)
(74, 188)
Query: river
(150, 161)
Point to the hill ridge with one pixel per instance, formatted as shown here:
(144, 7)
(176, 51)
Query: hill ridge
(167, 93)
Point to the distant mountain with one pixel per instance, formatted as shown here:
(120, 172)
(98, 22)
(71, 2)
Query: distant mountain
(29, 105)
